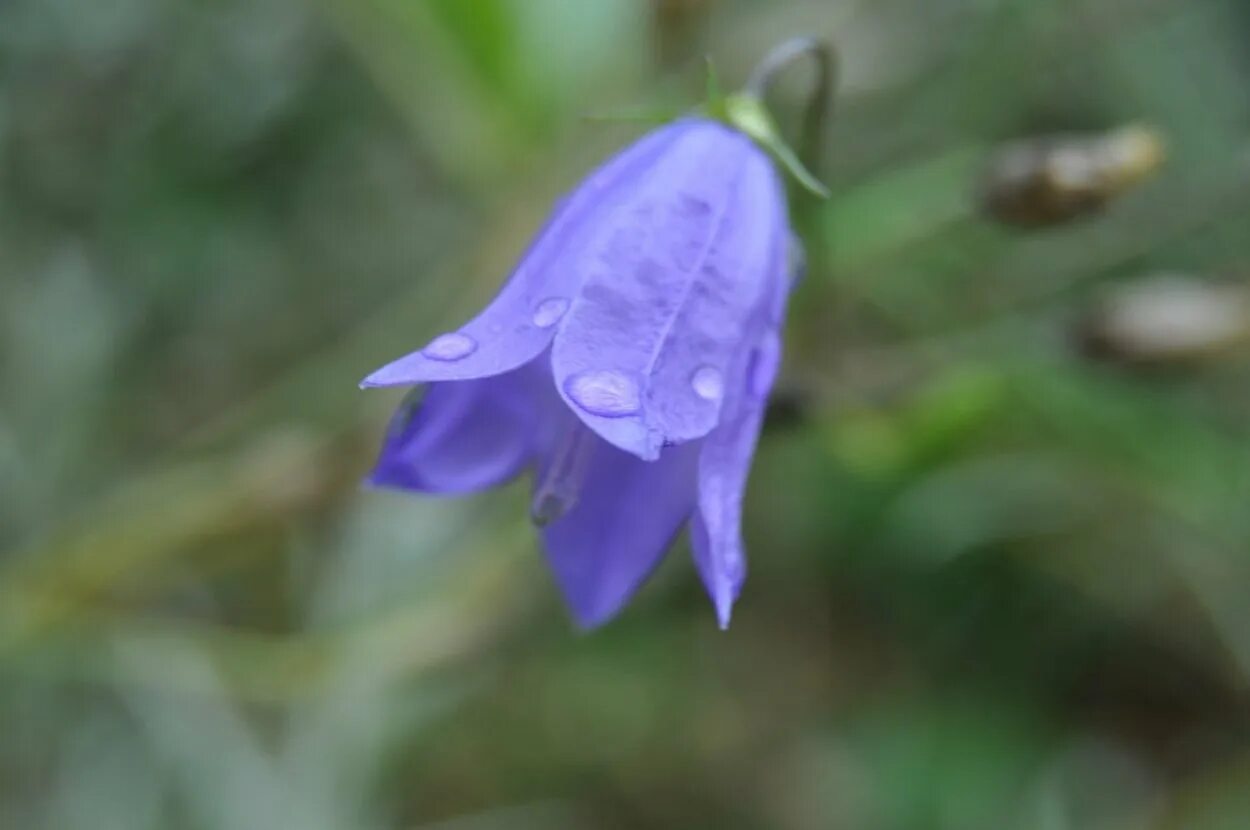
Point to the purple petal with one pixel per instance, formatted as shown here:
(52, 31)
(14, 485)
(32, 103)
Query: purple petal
(463, 436)
(644, 352)
(626, 517)
(724, 463)
(520, 322)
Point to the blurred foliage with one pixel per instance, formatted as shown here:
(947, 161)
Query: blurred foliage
(995, 583)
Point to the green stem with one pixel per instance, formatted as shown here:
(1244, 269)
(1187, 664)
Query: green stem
(820, 104)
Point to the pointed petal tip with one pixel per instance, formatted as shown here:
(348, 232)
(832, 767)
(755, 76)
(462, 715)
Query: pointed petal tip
(628, 434)
(382, 378)
(723, 600)
(589, 614)
(379, 479)
(723, 576)
(588, 622)
(649, 453)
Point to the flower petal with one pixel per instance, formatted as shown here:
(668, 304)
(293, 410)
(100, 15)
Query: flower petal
(462, 436)
(520, 322)
(643, 354)
(724, 463)
(627, 516)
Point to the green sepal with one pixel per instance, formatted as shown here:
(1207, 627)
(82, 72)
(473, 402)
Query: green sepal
(748, 114)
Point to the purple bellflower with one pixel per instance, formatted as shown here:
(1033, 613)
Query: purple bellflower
(627, 362)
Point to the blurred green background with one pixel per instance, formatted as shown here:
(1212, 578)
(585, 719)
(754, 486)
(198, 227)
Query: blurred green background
(997, 581)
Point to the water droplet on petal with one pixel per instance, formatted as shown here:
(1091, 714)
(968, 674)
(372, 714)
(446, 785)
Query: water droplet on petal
(708, 383)
(607, 392)
(449, 347)
(550, 311)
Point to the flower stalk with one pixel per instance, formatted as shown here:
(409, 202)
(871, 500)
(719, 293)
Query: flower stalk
(747, 110)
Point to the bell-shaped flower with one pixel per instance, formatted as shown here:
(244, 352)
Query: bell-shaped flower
(627, 362)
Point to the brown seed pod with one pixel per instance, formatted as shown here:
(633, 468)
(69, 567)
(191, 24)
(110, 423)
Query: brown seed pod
(1168, 320)
(1047, 181)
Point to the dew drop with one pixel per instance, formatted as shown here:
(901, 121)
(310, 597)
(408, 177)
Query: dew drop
(708, 383)
(449, 347)
(607, 392)
(550, 311)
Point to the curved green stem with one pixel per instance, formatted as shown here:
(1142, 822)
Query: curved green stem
(747, 110)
